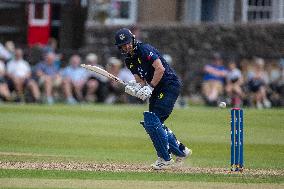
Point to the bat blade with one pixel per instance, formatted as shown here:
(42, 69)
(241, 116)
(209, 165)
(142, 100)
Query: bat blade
(102, 72)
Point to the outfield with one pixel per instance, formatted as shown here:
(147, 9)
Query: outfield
(83, 138)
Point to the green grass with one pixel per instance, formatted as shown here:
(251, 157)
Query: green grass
(104, 133)
(112, 133)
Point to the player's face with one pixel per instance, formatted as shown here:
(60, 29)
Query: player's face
(127, 48)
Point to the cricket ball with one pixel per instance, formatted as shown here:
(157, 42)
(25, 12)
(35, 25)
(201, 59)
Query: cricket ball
(222, 104)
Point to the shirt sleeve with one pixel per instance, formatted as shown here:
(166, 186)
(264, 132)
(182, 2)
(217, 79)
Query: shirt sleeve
(149, 54)
(38, 67)
(9, 67)
(64, 72)
(28, 67)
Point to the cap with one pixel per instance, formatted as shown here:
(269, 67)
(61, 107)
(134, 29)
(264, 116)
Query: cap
(123, 36)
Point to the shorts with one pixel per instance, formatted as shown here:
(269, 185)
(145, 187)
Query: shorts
(255, 85)
(56, 81)
(2, 80)
(209, 85)
(234, 80)
(11, 84)
(163, 100)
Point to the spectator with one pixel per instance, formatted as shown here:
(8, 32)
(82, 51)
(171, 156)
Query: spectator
(51, 46)
(48, 77)
(214, 80)
(4, 90)
(257, 84)
(74, 79)
(125, 75)
(169, 59)
(276, 83)
(96, 85)
(280, 82)
(116, 91)
(4, 53)
(234, 81)
(10, 46)
(19, 75)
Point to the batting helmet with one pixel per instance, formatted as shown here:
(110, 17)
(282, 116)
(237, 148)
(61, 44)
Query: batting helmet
(123, 36)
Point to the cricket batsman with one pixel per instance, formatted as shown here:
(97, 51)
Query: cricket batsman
(154, 80)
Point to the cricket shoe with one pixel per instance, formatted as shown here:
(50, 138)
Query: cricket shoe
(180, 160)
(162, 164)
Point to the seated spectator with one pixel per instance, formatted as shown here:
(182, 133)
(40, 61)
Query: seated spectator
(214, 80)
(234, 81)
(4, 90)
(48, 77)
(125, 75)
(257, 84)
(5, 55)
(116, 91)
(280, 83)
(19, 76)
(52, 46)
(96, 85)
(276, 83)
(10, 47)
(74, 79)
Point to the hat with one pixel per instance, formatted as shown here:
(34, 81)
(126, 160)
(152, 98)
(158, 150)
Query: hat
(92, 57)
(217, 56)
(114, 61)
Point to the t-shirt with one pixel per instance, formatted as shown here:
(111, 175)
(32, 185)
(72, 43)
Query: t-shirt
(141, 64)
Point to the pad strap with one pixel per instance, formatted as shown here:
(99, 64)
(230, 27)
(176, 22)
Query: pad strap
(175, 145)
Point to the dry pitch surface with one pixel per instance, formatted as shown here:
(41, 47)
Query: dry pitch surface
(115, 167)
(126, 184)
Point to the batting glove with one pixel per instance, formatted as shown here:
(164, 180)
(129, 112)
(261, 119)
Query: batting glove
(132, 88)
(145, 92)
(133, 83)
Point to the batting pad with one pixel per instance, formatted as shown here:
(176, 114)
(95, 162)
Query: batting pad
(158, 135)
(174, 143)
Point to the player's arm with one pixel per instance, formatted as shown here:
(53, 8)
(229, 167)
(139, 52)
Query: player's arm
(146, 91)
(139, 80)
(158, 73)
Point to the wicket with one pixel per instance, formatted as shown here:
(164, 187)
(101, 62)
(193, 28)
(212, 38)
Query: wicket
(237, 149)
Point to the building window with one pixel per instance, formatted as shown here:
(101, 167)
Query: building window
(121, 9)
(207, 10)
(39, 14)
(113, 12)
(38, 11)
(259, 10)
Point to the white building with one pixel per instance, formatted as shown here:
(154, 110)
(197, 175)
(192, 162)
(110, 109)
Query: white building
(112, 12)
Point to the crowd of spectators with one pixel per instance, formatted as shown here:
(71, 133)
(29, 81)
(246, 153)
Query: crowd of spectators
(248, 83)
(51, 79)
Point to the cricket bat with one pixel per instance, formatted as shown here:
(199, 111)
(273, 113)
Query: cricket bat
(103, 73)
